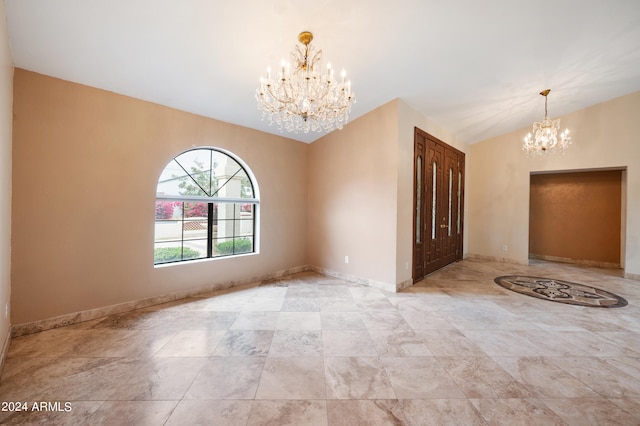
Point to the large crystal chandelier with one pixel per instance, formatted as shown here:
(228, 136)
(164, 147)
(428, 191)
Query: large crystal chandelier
(545, 139)
(305, 99)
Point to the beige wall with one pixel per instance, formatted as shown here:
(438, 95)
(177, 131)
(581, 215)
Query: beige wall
(6, 101)
(361, 194)
(86, 162)
(85, 168)
(604, 135)
(352, 198)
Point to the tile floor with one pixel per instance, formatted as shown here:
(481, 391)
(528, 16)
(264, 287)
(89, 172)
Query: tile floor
(456, 349)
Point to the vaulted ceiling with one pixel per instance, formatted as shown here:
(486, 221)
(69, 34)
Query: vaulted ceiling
(474, 67)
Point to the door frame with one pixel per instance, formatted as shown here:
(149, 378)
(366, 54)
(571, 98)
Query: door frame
(423, 266)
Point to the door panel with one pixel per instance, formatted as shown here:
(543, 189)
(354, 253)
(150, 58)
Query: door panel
(434, 191)
(418, 209)
(449, 206)
(438, 204)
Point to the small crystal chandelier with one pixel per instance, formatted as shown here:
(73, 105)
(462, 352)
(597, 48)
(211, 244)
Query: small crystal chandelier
(305, 99)
(545, 140)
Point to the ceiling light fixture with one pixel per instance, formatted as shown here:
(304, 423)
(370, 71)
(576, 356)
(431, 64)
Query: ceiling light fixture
(305, 99)
(545, 138)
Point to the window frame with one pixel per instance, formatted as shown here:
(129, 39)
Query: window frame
(210, 201)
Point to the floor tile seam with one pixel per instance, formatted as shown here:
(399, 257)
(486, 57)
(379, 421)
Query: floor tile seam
(328, 399)
(622, 372)
(537, 399)
(442, 369)
(78, 372)
(344, 399)
(193, 380)
(453, 379)
(264, 364)
(531, 388)
(132, 374)
(368, 330)
(570, 335)
(622, 360)
(559, 415)
(470, 405)
(581, 381)
(129, 400)
(384, 370)
(503, 370)
(487, 353)
(636, 415)
(613, 342)
(326, 413)
(595, 398)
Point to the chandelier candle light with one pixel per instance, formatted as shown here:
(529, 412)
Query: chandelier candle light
(545, 138)
(305, 99)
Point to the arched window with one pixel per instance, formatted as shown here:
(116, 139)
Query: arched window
(206, 206)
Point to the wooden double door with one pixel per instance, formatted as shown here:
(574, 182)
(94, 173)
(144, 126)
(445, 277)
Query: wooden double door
(438, 204)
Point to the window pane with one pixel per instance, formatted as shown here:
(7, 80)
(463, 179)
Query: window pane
(194, 249)
(197, 163)
(450, 200)
(194, 229)
(459, 199)
(244, 228)
(234, 220)
(165, 210)
(225, 229)
(433, 202)
(418, 199)
(233, 181)
(222, 246)
(168, 230)
(247, 188)
(245, 224)
(174, 252)
(243, 245)
(167, 252)
(247, 211)
(228, 246)
(195, 210)
(171, 177)
(168, 225)
(233, 184)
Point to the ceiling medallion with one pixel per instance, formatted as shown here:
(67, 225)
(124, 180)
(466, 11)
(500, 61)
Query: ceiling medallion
(545, 139)
(303, 99)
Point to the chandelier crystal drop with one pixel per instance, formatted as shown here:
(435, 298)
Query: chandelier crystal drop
(303, 98)
(545, 139)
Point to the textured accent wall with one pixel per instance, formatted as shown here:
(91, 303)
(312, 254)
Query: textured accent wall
(576, 216)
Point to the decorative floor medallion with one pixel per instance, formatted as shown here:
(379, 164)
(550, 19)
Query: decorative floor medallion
(561, 291)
